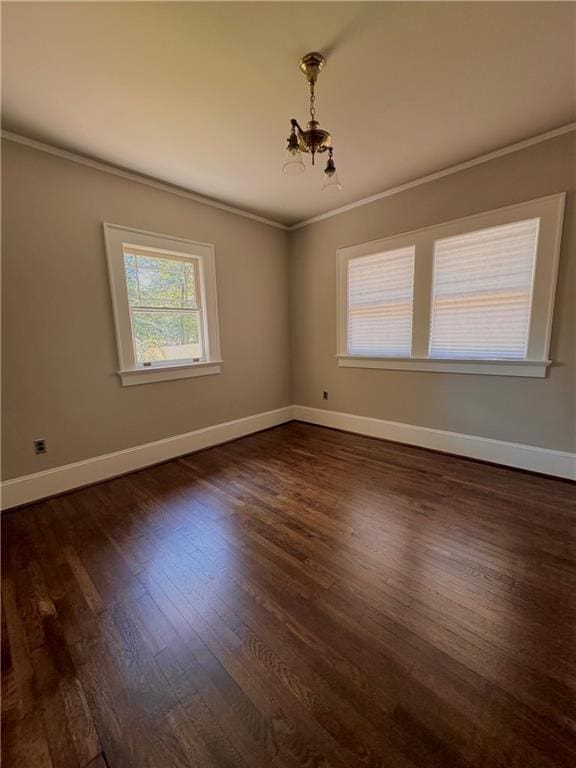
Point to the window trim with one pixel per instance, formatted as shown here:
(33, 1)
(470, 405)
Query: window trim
(130, 371)
(549, 210)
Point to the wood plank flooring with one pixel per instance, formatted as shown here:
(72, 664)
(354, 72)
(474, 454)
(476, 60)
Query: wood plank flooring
(301, 597)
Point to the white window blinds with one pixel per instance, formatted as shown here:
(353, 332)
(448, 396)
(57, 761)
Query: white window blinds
(380, 293)
(482, 292)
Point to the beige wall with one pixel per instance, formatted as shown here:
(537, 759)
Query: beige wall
(59, 346)
(538, 412)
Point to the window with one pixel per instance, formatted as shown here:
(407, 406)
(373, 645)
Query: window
(471, 296)
(164, 297)
(165, 306)
(380, 303)
(482, 292)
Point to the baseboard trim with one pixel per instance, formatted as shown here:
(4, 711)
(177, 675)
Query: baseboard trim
(30, 488)
(528, 457)
(51, 482)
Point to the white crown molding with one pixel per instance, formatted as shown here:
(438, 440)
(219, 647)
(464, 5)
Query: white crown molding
(51, 482)
(440, 174)
(530, 457)
(175, 190)
(165, 186)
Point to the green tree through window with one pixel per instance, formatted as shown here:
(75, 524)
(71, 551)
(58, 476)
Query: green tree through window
(164, 306)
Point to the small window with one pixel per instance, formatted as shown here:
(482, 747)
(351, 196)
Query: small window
(474, 295)
(164, 297)
(380, 291)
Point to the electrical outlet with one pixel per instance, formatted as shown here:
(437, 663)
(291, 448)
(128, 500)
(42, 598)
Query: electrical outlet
(40, 446)
(324, 395)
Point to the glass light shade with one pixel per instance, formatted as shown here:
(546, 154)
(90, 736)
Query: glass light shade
(331, 182)
(293, 165)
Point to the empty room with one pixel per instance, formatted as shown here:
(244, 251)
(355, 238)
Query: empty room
(288, 384)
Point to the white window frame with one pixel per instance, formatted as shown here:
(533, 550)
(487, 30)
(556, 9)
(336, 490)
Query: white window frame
(550, 211)
(131, 371)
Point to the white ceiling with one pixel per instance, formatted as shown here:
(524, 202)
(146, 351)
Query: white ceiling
(201, 94)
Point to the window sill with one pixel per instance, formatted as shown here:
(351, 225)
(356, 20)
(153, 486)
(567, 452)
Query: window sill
(167, 372)
(527, 368)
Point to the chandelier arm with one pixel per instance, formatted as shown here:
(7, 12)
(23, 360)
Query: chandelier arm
(296, 124)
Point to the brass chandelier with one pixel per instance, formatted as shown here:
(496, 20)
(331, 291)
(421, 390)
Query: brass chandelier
(313, 140)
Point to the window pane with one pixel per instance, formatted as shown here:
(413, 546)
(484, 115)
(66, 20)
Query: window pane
(160, 282)
(380, 292)
(482, 292)
(166, 335)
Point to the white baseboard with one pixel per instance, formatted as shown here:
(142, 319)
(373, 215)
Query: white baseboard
(22, 490)
(544, 460)
(29, 488)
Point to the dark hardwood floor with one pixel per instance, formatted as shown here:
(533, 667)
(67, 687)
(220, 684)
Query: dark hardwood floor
(301, 597)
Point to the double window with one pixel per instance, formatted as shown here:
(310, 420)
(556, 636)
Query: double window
(471, 296)
(164, 295)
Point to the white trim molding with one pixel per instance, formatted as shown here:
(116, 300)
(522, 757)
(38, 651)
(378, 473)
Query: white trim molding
(130, 377)
(529, 457)
(166, 186)
(555, 133)
(139, 178)
(548, 210)
(51, 482)
(40, 485)
(527, 368)
(121, 240)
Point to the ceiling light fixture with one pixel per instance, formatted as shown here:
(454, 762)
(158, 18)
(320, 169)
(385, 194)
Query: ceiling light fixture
(313, 140)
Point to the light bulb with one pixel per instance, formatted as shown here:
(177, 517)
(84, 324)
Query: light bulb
(293, 164)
